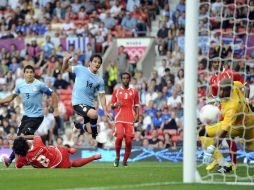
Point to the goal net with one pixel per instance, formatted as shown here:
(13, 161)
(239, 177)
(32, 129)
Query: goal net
(226, 50)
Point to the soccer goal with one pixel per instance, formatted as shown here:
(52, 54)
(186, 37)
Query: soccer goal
(219, 36)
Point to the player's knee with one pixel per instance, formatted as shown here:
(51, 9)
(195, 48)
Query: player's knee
(120, 136)
(128, 140)
(92, 114)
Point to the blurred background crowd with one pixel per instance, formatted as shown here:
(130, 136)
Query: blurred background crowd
(161, 95)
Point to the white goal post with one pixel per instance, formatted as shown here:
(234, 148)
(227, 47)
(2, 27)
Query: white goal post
(190, 91)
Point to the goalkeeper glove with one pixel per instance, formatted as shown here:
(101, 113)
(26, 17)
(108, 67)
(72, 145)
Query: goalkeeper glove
(208, 154)
(213, 101)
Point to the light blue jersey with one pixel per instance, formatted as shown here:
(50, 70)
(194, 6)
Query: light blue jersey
(31, 94)
(86, 85)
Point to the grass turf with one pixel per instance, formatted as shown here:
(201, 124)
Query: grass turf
(102, 176)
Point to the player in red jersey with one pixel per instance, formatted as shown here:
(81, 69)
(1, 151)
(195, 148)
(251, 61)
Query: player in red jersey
(36, 154)
(227, 73)
(126, 101)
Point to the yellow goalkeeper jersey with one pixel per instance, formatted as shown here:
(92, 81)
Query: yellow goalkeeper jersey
(238, 118)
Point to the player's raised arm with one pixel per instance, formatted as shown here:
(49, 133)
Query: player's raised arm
(8, 99)
(66, 67)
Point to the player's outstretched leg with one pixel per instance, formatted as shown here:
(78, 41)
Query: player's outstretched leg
(83, 161)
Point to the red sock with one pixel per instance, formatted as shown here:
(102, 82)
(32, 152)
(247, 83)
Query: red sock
(118, 145)
(128, 147)
(82, 161)
(233, 149)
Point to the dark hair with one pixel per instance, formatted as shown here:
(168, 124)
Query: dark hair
(178, 73)
(20, 146)
(167, 69)
(125, 73)
(94, 56)
(28, 67)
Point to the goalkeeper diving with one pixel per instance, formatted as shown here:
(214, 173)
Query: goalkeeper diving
(238, 120)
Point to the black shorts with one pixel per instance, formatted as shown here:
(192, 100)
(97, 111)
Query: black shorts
(82, 109)
(29, 125)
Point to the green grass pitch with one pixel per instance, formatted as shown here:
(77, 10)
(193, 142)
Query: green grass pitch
(103, 176)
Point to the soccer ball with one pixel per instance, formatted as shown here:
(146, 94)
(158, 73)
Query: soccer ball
(209, 114)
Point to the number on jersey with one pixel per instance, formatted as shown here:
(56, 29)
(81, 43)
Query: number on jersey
(88, 84)
(43, 160)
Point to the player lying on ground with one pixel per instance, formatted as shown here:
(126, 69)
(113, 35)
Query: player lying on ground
(36, 154)
(237, 122)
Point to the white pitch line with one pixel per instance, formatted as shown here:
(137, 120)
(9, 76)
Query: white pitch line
(127, 186)
(152, 184)
(133, 167)
(228, 183)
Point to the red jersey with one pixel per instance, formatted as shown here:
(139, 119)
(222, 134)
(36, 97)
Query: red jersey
(40, 156)
(216, 78)
(129, 98)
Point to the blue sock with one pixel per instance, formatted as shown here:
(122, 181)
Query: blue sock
(84, 127)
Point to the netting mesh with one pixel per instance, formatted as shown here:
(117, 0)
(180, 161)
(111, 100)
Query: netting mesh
(226, 50)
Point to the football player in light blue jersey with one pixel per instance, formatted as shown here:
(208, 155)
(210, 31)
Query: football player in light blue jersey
(31, 91)
(87, 84)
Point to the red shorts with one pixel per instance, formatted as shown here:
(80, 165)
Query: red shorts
(124, 130)
(65, 163)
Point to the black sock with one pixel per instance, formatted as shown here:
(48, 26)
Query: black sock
(93, 123)
(77, 125)
(94, 131)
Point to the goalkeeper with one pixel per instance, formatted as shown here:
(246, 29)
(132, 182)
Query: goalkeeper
(238, 118)
(206, 141)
